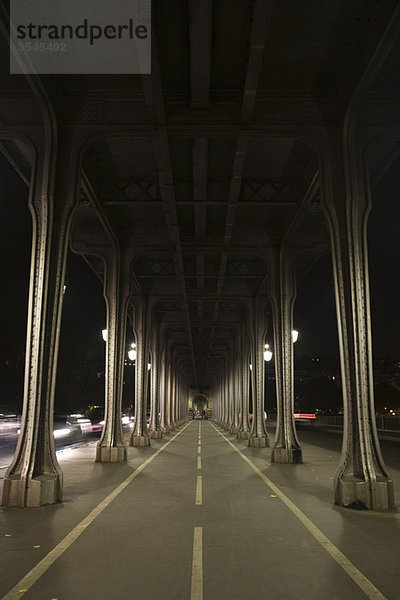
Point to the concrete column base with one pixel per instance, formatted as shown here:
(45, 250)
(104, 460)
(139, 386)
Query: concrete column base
(233, 430)
(258, 442)
(164, 430)
(287, 455)
(110, 454)
(38, 491)
(156, 434)
(243, 435)
(351, 492)
(139, 440)
(172, 427)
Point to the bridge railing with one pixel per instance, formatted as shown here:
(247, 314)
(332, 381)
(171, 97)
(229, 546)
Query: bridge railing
(382, 422)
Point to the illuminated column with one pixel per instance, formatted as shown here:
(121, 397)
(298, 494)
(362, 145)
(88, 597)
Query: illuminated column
(282, 295)
(171, 393)
(111, 447)
(361, 479)
(34, 477)
(243, 368)
(226, 392)
(232, 389)
(163, 394)
(139, 435)
(258, 435)
(238, 387)
(169, 381)
(155, 428)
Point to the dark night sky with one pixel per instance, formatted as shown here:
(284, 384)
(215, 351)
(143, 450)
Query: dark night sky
(84, 307)
(315, 311)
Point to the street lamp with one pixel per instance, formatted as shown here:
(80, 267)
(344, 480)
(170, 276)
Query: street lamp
(267, 353)
(132, 352)
(104, 333)
(295, 336)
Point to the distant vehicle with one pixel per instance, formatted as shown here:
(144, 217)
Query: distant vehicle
(251, 416)
(65, 430)
(304, 417)
(96, 416)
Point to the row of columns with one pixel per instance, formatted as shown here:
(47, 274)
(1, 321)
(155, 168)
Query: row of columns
(34, 477)
(361, 479)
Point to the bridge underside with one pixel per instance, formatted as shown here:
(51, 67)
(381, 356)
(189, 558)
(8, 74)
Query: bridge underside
(201, 195)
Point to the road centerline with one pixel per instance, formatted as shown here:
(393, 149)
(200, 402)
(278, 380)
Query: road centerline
(197, 565)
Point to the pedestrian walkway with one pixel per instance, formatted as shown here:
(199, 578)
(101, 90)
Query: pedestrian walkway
(198, 515)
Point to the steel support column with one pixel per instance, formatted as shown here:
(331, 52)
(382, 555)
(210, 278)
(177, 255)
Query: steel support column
(258, 435)
(34, 477)
(154, 427)
(139, 435)
(282, 294)
(243, 429)
(111, 447)
(361, 480)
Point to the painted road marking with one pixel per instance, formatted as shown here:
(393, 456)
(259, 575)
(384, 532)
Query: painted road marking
(46, 562)
(198, 449)
(363, 582)
(199, 490)
(199, 462)
(197, 565)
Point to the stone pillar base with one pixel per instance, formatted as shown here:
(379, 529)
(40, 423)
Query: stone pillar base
(139, 440)
(156, 434)
(164, 430)
(287, 455)
(351, 492)
(110, 454)
(172, 427)
(38, 491)
(233, 430)
(258, 441)
(243, 435)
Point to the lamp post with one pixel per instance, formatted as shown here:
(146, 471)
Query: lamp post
(132, 352)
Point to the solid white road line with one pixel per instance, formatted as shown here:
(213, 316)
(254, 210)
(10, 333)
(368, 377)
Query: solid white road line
(365, 584)
(46, 562)
(197, 565)
(199, 490)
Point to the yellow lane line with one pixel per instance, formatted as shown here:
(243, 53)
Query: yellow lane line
(197, 565)
(199, 490)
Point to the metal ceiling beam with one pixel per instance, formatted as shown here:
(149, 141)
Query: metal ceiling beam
(154, 99)
(200, 36)
(258, 37)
